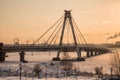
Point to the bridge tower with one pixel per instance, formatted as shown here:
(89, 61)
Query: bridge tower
(67, 16)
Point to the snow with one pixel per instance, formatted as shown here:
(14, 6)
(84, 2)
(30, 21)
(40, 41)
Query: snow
(88, 65)
(67, 78)
(12, 62)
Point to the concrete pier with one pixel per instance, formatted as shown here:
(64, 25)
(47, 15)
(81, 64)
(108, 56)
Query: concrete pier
(2, 53)
(79, 53)
(79, 58)
(91, 52)
(95, 52)
(22, 58)
(87, 53)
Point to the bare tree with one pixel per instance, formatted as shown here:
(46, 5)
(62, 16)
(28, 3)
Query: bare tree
(115, 63)
(99, 71)
(66, 65)
(37, 69)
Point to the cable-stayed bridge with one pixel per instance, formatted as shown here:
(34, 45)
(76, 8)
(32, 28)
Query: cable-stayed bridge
(65, 36)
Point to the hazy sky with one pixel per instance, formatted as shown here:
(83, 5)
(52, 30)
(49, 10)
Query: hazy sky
(97, 19)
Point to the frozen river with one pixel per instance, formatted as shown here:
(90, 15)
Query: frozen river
(84, 66)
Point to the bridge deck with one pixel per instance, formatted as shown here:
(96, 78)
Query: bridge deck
(40, 48)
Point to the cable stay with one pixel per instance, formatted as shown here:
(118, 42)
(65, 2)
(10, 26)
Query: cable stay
(47, 30)
(54, 31)
(71, 29)
(55, 36)
(82, 37)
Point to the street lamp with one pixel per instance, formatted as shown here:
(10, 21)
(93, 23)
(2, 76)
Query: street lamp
(20, 67)
(16, 41)
(27, 42)
(111, 71)
(46, 71)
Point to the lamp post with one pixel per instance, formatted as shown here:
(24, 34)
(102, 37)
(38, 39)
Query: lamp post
(111, 71)
(16, 41)
(46, 72)
(27, 42)
(76, 74)
(20, 67)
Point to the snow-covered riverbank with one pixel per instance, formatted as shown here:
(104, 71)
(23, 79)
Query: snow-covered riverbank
(12, 62)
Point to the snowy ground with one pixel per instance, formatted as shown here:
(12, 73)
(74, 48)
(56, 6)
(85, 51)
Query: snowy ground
(88, 65)
(67, 78)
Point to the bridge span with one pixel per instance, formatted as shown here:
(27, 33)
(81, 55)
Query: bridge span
(65, 24)
(93, 50)
(52, 48)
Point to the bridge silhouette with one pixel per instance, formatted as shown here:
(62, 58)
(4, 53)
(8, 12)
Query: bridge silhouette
(57, 41)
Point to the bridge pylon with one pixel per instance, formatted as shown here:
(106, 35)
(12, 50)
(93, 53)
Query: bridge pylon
(67, 16)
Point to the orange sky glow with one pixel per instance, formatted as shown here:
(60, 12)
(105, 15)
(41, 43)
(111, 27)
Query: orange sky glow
(26, 19)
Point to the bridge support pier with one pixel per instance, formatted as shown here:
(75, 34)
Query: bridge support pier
(57, 58)
(22, 58)
(79, 55)
(2, 53)
(99, 52)
(95, 52)
(87, 54)
(91, 53)
(2, 56)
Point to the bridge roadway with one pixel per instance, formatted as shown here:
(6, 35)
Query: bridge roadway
(8, 48)
(22, 48)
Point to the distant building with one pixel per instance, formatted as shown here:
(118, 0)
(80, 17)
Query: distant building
(117, 43)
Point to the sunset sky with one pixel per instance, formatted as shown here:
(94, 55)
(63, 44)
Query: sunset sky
(25, 19)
